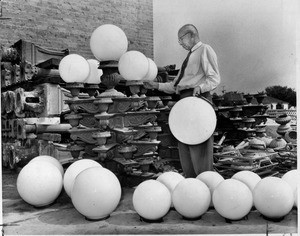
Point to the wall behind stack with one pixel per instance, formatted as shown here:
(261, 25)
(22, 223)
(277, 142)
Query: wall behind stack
(60, 24)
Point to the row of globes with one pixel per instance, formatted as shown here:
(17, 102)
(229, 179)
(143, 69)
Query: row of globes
(41, 181)
(107, 43)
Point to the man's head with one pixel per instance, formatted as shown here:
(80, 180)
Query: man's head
(188, 36)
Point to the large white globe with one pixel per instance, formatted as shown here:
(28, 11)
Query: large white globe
(247, 177)
(170, 179)
(151, 200)
(232, 199)
(39, 183)
(292, 177)
(191, 198)
(74, 68)
(96, 193)
(108, 42)
(192, 120)
(273, 197)
(50, 159)
(73, 170)
(211, 179)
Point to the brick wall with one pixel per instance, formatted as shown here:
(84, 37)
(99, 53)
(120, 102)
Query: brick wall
(60, 24)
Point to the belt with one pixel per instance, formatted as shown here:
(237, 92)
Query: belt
(189, 92)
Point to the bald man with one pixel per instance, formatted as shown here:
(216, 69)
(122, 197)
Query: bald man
(199, 75)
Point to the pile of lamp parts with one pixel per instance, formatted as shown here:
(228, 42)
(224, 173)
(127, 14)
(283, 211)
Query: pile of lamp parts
(260, 153)
(41, 181)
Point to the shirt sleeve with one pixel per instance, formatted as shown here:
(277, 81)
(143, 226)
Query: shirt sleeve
(210, 67)
(167, 87)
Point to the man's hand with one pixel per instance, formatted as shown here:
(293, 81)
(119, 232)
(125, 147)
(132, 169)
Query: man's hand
(197, 91)
(150, 85)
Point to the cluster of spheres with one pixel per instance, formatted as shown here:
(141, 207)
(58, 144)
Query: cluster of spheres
(95, 200)
(232, 198)
(107, 43)
(41, 181)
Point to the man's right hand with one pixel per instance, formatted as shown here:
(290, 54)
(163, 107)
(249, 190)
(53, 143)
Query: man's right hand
(150, 85)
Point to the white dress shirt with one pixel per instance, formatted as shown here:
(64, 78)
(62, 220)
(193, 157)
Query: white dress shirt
(201, 70)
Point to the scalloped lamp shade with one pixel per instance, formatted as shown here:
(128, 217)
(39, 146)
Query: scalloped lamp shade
(74, 68)
(95, 73)
(152, 70)
(108, 42)
(133, 65)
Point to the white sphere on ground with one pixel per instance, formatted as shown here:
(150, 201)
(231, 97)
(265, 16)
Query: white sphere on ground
(73, 170)
(212, 179)
(152, 70)
(108, 42)
(95, 73)
(191, 198)
(39, 183)
(74, 68)
(170, 179)
(247, 177)
(133, 65)
(50, 159)
(292, 177)
(96, 193)
(232, 199)
(151, 200)
(273, 197)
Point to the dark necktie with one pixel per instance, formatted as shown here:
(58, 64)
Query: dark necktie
(184, 64)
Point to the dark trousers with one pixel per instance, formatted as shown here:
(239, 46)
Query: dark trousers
(196, 159)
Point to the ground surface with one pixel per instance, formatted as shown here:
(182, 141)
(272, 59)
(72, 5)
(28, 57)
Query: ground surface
(61, 218)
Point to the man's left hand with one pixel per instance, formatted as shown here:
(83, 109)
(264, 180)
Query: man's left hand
(197, 91)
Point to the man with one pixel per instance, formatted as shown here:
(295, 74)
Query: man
(198, 75)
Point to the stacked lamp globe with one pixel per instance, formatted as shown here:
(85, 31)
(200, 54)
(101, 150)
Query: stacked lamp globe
(40, 182)
(133, 65)
(108, 42)
(74, 68)
(95, 73)
(152, 70)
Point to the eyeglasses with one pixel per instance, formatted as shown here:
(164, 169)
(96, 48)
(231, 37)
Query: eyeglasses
(181, 38)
